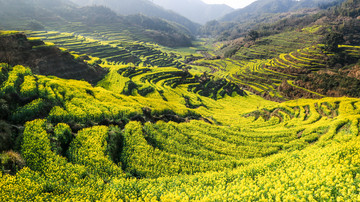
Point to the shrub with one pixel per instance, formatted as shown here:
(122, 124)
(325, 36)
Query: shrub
(6, 140)
(30, 111)
(115, 143)
(63, 135)
(14, 79)
(11, 162)
(130, 86)
(332, 41)
(36, 147)
(89, 149)
(145, 91)
(230, 52)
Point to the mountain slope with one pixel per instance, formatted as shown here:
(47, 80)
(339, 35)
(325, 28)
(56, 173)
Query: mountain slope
(65, 16)
(310, 56)
(196, 10)
(129, 7)
(262, 7)
(266, 14)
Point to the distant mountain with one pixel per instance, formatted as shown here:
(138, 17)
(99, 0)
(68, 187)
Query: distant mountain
(263, 13)
(145, 7)
(31, 14)
(66, 16)
(261, 7)
(196, 10)
(42, 3)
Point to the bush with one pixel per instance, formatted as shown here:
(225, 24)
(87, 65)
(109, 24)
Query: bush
(230, 52)
(4, 109)
(6, 140)
(130, 86)
(89, 149)
(11, 162)
(332, 41)
(253, 35)
(36, 147)
(63, 136)
(115, 144)
(145, 91)
(30, 111)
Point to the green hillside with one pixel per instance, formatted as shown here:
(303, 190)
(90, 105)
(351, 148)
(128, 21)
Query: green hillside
(145, 7)
(191, 8)
(49, 15)
(99, 113)
(272, 17)
(263, 7)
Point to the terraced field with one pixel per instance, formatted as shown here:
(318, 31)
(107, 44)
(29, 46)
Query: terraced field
(171, 81)
(157, 129)
(168, 83)
(273, 46)
(264, 77)
(112, 50)
(312, 58)
(144, 148)
(180, 124)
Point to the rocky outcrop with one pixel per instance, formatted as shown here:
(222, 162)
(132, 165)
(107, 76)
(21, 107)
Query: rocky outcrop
(43, 59)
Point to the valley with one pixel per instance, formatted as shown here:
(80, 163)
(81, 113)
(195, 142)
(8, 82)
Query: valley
(135, 108)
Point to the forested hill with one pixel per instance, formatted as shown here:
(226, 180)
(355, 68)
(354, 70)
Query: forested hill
(66, 16)
(145, 7)
(196, 10)
(266, 13)
(316, 54)
(263, 7)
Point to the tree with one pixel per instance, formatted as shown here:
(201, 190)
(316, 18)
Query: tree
(6, 54)
(332, 41)
(229, 53)
(36, 26)
(253, 35)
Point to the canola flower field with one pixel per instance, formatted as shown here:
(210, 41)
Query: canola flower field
(298, 150)
(153, 130)
(260, 69)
